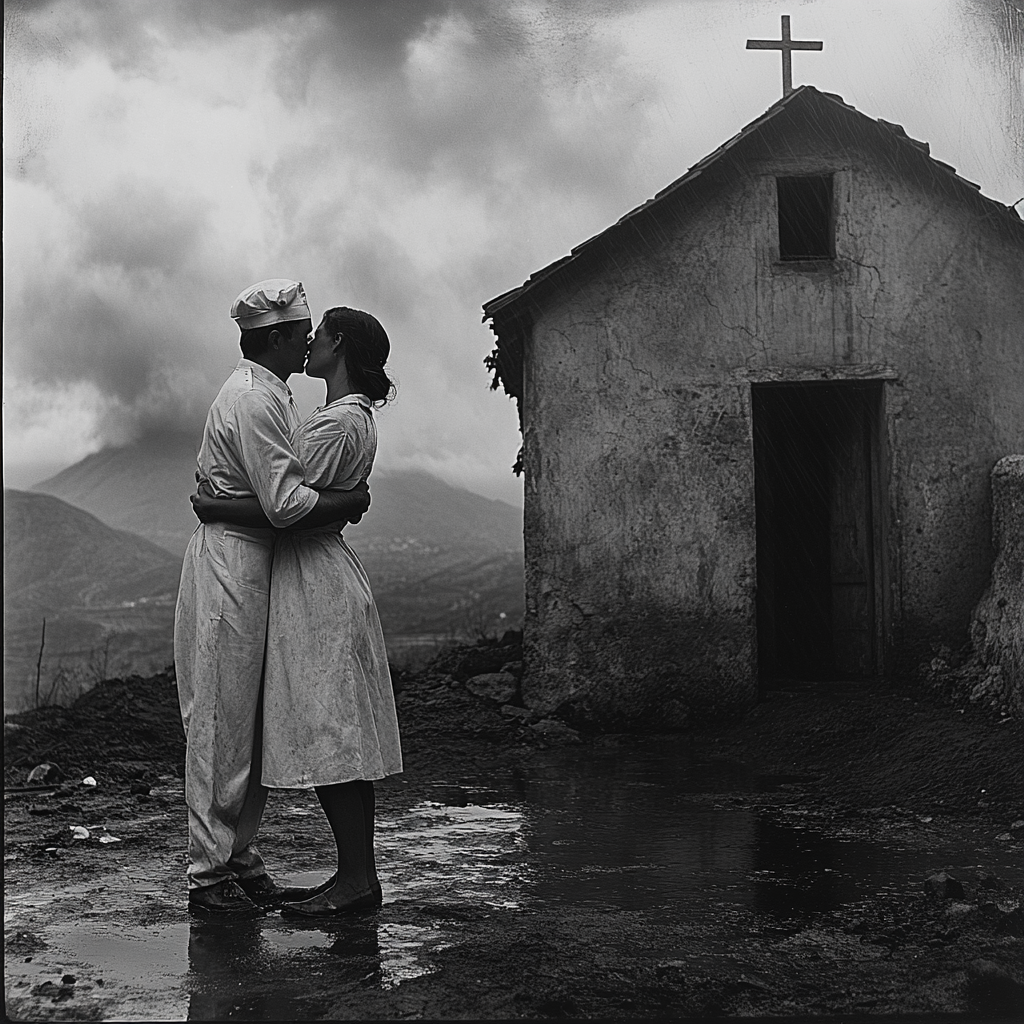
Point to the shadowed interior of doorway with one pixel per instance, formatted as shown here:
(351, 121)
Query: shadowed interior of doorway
(816, 465)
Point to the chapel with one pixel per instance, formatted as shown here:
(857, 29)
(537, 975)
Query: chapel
(759, 414)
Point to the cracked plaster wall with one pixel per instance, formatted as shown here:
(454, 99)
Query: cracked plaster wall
(640, 535)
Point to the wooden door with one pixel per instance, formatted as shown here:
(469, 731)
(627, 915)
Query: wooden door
(850, 533)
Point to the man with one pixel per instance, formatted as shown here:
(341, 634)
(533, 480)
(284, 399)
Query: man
(220, 622)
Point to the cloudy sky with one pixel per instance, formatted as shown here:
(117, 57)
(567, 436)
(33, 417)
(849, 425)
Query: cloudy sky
(410, 157)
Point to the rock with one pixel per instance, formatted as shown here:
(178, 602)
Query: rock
(944, 885)
(501, 687)
(513, 668)
(1011, 923)
(58, 993)
(22, 942)
(45, 774)
(987, 880)
(555, 731)
(80, 832)
(511, 711)
(959, 913)
(140, 789)
(992, 990)
(466, 662)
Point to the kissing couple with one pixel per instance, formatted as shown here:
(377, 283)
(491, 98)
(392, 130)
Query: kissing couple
(282, 672)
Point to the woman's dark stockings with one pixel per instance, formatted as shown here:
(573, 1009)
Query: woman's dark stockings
(350, 807)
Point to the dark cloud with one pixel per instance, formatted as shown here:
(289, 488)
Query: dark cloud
(122, 308)
(523, 123)
(505, 98)
(371, 34)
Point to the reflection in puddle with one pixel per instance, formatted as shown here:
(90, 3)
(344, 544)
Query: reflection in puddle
(631, 826)
(144, 966)
(450, 855)
(402, 952)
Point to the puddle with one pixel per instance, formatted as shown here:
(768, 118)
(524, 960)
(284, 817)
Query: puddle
(634, 826)
(137, 967)
(624, 829)
(448, 856)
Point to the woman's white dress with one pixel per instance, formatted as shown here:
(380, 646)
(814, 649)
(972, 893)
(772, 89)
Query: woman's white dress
(329, 709)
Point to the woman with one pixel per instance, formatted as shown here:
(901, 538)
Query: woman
(329, 709)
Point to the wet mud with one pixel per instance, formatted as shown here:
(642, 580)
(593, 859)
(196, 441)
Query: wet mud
(750, 871)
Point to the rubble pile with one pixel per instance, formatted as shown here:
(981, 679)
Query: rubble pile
(107, 732)
(468, 691)
(472, 691)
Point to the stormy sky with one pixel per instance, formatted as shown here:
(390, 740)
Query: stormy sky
(410, 157)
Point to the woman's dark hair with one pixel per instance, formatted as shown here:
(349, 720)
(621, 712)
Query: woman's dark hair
(256, 340)
(366, 348)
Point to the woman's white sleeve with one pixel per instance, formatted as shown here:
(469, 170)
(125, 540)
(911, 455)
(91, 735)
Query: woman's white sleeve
(322, 448)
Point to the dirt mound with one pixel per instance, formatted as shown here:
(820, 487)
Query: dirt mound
(463, 661)
(865, 745)
(109, 732)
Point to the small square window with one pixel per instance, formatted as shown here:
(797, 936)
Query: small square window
(806, 227)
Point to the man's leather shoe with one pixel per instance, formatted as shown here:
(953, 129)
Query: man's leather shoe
(224, 899)
(265, 892)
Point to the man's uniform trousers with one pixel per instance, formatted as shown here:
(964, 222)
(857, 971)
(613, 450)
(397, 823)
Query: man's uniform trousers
(220, 626)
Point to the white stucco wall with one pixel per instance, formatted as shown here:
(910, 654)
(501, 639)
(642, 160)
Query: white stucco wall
(640, 531)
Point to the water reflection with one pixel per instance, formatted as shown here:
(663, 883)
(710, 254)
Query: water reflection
(256, 970)
(449, 858)
(622, 825)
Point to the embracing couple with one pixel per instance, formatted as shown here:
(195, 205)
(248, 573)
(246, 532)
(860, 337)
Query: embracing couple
(282, 673)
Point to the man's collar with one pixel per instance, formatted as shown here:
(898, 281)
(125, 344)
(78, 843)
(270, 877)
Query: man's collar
(263, 374)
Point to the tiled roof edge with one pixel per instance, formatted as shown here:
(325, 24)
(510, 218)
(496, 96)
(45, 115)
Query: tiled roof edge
(495, 305)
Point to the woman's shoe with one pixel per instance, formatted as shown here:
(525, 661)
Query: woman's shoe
(327, 886)
(320, 907)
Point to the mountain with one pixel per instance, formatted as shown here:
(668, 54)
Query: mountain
(107, 596)
(144, 487)
(443, 562)
(56, 555)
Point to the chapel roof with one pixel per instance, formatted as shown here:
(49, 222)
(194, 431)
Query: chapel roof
(510, 306)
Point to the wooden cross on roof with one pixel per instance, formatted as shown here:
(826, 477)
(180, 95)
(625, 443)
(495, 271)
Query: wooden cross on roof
(787, 46)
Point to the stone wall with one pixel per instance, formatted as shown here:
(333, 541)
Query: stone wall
(992, 673)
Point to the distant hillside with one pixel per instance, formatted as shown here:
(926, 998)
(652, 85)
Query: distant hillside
(144, 488)
(413, 506)
(107, 596)
(56, 555)
(443, 562)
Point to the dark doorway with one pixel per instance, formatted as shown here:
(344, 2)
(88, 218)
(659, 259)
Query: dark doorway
(816, 459)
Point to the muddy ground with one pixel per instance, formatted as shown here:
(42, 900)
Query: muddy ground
(937, 789)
